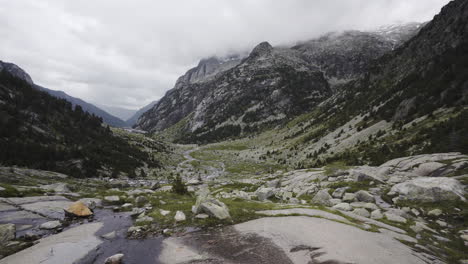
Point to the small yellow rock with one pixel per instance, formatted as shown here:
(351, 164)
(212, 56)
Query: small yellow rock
(78, 208)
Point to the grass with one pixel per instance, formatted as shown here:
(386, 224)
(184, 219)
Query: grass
(11, 191)
(334, 167)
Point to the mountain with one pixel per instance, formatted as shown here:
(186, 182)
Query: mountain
(20, 73)
(267, 87)
(228, 98)
(134, 118)
(120, 112)
(38, 130)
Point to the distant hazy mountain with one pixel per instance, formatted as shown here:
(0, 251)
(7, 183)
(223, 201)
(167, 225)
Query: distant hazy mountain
(106, 117)
(120, 112)
(132, 120)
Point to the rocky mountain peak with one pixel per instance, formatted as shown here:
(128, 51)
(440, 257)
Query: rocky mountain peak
(261, 49)
(16, 71)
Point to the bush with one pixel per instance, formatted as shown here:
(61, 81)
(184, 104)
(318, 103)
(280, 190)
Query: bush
(178, 186)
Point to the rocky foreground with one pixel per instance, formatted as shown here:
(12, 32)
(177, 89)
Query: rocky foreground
(408, 210)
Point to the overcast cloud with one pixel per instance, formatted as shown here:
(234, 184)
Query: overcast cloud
(128, 53)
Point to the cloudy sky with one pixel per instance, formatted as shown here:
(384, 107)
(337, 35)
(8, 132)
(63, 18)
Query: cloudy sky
(127, 53)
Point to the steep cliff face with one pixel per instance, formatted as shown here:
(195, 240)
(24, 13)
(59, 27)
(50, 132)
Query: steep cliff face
(344, 56)
(267, 87)
(221, 98)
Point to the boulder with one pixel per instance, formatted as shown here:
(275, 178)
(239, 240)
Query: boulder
(361, 212)
(323, 198)
(140, 201)
(92, 203)
(215, 208)
(115, 259)
(376, 214)
(273, 184)
(395, 218)
(264, 193)
(79, 209)
(164, 212)
(343, 207)
(50, 225)
(7, 233)
(436, 212)
(349, 197)
(427, 189)
(338, 193)
(179, 216)
(364, 196)
(112, 199)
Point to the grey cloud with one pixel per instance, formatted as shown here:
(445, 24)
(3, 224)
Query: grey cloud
(128, 53)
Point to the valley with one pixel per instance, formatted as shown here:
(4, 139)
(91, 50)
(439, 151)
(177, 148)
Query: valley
(350, 147)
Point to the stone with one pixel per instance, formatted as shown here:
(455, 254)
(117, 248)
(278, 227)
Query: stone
(164, 212)
(343, 207)
(441, 223)
(349, 197)
(56, 187)
(426, 169)
(215, 208)
(115, 259)
(92, 203)
(338, 193)
(419, 227)
(322, 198)
(7, 233)
(50, 225)
(435, 212)
(136, 211)
(361, 212)
(49, 209)
(112, 199)
(126, 206)
(144, 218)
(430, 189)
(110, 236)
(364, 196)
(273, 184)
(79, 209)
(140, 201)
(193, 182)
(264, 193)
(335, 201)
(376, 214)
(286, 196)
(202, 216)
(395, 218)
(179, 216)
(415, 211)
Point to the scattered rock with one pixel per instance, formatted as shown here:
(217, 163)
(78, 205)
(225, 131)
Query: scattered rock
(50, 225)
(202, 216)
(441, 223)
(376, 214)
(140, 201)
(427, 189)
(264, 193)
(136, 211)
(364, 196)
(110, 236)
(164, 212)
(436, 212)
(395, 218)
(112, 199)
(144, 218)
(179, 216)
(343, 207)
(78, 209)
(349, 197)
(115, 259)
(126, 206)
(92, 203)
(361, 212)
(338, 193)
(215, 208)
(7, 233)
(323, 198)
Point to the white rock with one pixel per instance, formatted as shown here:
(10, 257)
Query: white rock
(112, 198)
(202, 216)
(50, 225)
(164, 212)
(361, 212)
(115, 259)
(364, 196)
(349, 197)
(343, 207)
(179, 216)
(322, 198)
(435, 212)
(376, 214)
(264, 193)
(395, 218)
(428, 189)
